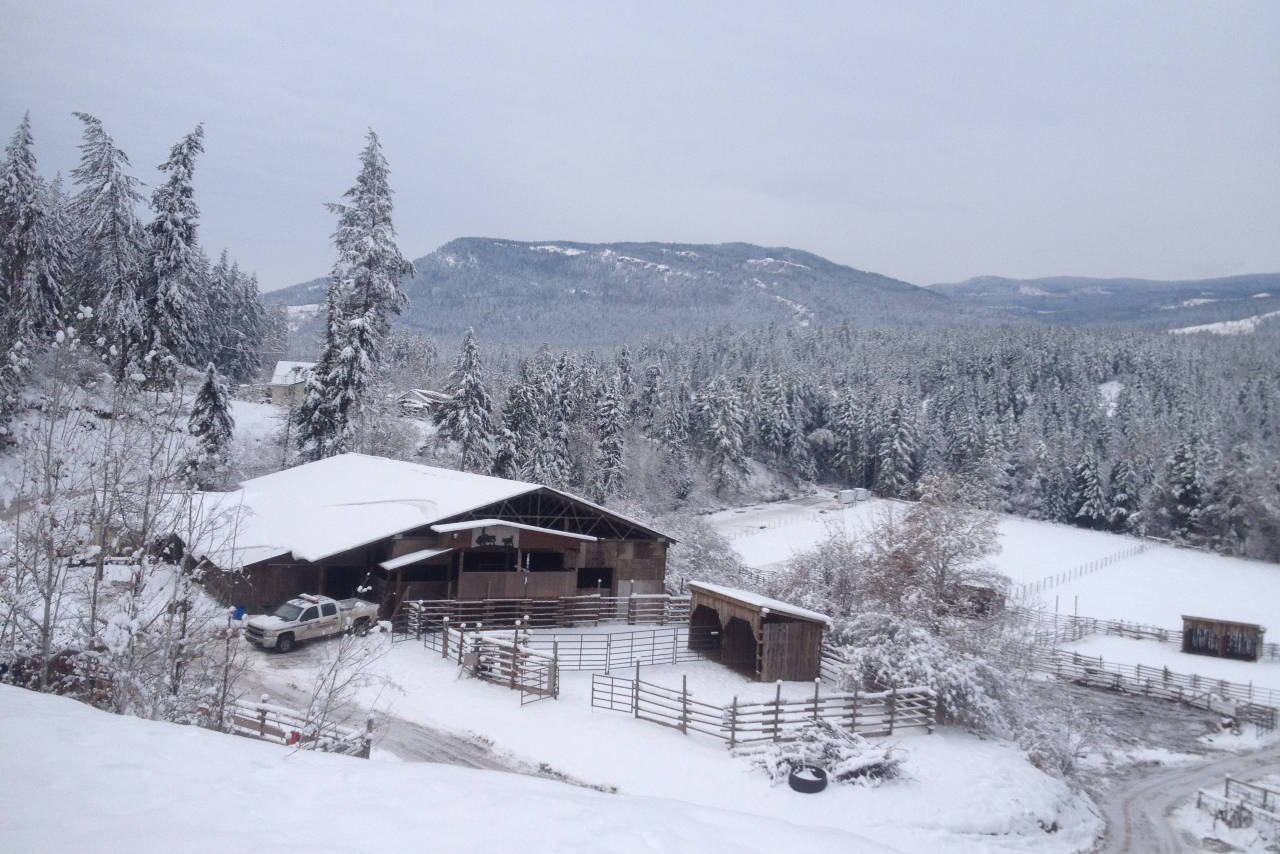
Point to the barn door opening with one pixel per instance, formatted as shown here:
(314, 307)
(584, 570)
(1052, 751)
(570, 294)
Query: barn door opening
(704, 631)
(739, 647)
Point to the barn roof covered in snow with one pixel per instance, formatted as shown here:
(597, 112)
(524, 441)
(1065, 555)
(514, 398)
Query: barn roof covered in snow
(764, 604)
(291, 373)
(320, 509)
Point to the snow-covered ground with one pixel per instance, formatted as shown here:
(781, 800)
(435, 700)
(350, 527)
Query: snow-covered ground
(961, 793)
(1242, 326)
(1155, 587)
(77, 779)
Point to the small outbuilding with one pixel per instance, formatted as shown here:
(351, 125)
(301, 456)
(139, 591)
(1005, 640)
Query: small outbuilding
(762, 638)
(1223, 638)
(289, 382)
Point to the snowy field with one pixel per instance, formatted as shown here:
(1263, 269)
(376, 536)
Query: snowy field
(77, 779)
(961, 793)
(1155, 587)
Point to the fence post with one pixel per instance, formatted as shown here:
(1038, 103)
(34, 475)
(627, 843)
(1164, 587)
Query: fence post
(853, 711)
(417, 622)
(367, 745)
(816, 683)
(635, 691)
(462, 640)
(444, 647)
(684, 704)
(608, 651)
(893, 706)
(675, 644)
(555, 668)
(777, 713)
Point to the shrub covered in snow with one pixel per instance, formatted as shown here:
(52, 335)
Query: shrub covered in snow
(885, 649)
(845, 756)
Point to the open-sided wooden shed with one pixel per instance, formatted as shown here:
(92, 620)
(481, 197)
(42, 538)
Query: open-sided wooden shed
(1223, 638)
(760, 637)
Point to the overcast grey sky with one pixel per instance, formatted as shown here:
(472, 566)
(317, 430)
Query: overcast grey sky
(926, 141)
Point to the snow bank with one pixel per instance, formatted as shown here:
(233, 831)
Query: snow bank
(77, 779)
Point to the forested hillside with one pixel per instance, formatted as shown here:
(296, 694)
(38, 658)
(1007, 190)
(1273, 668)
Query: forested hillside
(585, 295)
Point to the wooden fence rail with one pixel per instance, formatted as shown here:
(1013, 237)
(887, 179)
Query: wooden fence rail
(421, 616)
(1054, 629)
(287, 726)
(1153, 681)
(877, 713)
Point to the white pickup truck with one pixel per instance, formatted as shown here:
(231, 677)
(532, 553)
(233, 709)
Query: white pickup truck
(308, 616)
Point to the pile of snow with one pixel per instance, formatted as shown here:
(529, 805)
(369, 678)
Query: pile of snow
(77, 779)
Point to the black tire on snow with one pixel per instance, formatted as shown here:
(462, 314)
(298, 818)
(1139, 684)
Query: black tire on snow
(805, 785)
(285, 643)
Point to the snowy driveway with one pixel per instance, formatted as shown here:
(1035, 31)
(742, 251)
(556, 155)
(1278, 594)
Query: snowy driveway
(1138, 808)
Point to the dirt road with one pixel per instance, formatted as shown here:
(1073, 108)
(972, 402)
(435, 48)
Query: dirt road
(1137, 805)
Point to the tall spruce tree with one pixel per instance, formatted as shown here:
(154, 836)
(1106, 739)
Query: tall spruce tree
(611, 426)
(466, 416)
(1124, 494)
(177, 324)
(32, 257)
(723, 424)
(1088, 507)
(110, 245)
(364, 291)
(211, 424)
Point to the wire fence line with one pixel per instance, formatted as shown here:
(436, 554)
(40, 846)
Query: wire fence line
(1058, 578)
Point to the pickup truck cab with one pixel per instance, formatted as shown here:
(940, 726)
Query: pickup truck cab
(308, 616)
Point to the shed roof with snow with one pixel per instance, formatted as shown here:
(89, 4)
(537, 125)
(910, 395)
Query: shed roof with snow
(291, 373)
(761, 637)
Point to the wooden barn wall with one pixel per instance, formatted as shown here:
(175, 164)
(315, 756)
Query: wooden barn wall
(792, 651)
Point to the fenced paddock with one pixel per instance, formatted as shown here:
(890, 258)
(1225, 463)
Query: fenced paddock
(286, 726)
(1241, 805)
(423, 616)
(1163, 683)
(873, 714)
(1054, 629)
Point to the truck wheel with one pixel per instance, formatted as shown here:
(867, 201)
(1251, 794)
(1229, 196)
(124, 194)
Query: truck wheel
(285, 643)
(361, 627)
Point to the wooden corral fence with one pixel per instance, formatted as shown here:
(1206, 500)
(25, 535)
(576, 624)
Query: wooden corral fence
(1242, 805)
(502, 658)
(1054, 629)
(422, 616)
(879, 713)
(282, 725)
(1190, 689)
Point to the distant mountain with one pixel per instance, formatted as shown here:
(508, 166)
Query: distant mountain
(1131, 302)
(605, 294)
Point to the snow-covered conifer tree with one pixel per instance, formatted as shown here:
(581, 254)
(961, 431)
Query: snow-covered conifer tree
(110, 246)
(315, 419)
(1088, 507)
(611, 425)
(897, 450)
(1124, 495)
(722, 419)
(211, 424)
(466, 417)
(176, 322)
(1179, 497)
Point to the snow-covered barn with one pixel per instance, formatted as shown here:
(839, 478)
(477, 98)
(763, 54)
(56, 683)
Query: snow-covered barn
(410, 531)
(289, 382)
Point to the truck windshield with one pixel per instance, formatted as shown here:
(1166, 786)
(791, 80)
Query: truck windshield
(287, 612)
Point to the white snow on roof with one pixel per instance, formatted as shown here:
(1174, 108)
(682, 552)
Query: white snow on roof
(336, 504)
(412, 557)
(485, 523)
(290, 373)
(757, 601)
